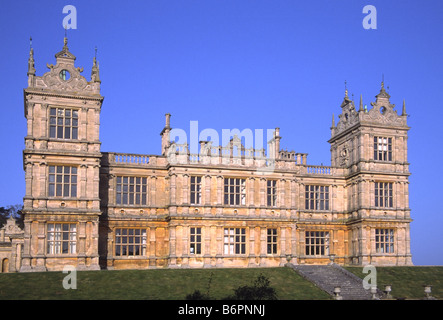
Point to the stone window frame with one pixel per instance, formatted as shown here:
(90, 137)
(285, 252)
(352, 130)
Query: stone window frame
(195, 189)
(62, 184)
(272, 241)
(234, 197)
(136, 192)
(317, 243)
(271, 192)
(316, 199)
(61, 126)
(380, 196)
(384, 239)
(234, 241)
(383, 150)
(57, 238)
(130, 244)
(195, 240)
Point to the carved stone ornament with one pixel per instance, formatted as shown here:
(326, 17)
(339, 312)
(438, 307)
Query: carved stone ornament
(12, 229)
(65, 77)
(344, 156)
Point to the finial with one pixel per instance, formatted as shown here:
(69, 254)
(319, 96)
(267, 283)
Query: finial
(31, 66)
(382, 81)
(361, 103)
(346, 89)
(403, 113)
(95, 57)
(333, 121)
(95, 74)
(65, 40)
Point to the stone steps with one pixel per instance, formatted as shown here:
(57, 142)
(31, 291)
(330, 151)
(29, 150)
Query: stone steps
(327, 277)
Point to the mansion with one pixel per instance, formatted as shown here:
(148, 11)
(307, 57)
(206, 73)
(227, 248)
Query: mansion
(227, 206)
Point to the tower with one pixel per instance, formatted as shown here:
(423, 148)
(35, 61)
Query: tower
(371, 147)
(61, 160)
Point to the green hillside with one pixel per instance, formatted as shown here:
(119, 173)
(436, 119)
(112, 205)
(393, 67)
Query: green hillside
(153, 284)
(175, 284)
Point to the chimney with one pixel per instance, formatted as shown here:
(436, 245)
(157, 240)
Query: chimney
(168, 120)
(277, 143)
(165, 133)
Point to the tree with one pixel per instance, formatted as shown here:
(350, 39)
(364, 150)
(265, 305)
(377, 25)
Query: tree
(260, 290)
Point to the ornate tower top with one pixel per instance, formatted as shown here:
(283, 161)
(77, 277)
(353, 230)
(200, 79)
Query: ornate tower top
(383, 113)
(64, 77)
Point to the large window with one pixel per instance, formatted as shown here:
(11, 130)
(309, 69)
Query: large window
(384, 195)
(384, 240)
(63, 123)
(131, 190)
(61, 238)
(271, 192)
(62, 181)
(317, 243)
(130, 242)
(196, 186)
(382, 148)
(235, 191)
(272, 241)
(234, 241)
(316, 197)
(195, 241)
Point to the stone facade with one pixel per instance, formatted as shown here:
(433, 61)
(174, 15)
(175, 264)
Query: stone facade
(227, 206)
(11, 246)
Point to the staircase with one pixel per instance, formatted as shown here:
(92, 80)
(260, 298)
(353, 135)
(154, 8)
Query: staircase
(327, 277)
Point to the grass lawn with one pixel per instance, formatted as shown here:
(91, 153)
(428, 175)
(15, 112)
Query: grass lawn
(407, 282)
(160, 284)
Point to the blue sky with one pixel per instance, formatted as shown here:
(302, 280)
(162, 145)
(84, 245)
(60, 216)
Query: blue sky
(256, 64)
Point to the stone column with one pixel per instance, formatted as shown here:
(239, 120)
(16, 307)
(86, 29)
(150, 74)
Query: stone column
(262, 191)
(263, 242)
(42, 178)
(281, 195)
(281, 232)
(83, 182)
(206, 190)
(152, 250)
(251, 191)
(220, 180)
(185, 189)
(252, 253)
(293, 200)
(172, 247)
(110, 245)
(206, 246)
(153, 183)
(219, 239)
(94, 225)
(83, 123)
(44, 121)
(28, 178)
(81, 244)
(111, 189)
(173, 188)
(41, 253)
